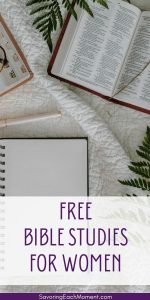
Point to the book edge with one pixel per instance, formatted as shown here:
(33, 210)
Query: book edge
(112, 100)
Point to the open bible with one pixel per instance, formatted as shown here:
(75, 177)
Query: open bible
(108, 54)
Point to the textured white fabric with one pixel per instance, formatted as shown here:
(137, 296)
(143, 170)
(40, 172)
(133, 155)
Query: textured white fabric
(114, 131)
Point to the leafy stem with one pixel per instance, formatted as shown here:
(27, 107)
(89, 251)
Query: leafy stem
(141, 168)
(48, 14)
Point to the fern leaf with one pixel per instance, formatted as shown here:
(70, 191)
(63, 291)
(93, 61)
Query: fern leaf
(143, 155)
(40, 8)
(140, 164)
(141, 168)
(148, 132)
(140, 171)
(70, 8)
(54, 20)
(147, 140)
(45, 36)
(49, 42)
(84, 5)
(102, 2)
(40, 18)
(137, 183)
(49, 15)
(133, 195)
(146, 146)
(58, 13)
(43, 28)
(42, 24)
(145, 149)
(31, 2)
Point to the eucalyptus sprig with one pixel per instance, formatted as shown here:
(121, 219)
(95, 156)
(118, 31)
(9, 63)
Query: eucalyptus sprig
(141, 168)
(49, 16)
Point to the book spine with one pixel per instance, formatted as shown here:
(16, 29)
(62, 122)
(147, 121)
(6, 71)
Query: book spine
(2, 207)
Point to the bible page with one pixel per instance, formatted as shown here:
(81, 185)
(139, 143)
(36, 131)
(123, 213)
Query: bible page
(98, 46)
(137, 92)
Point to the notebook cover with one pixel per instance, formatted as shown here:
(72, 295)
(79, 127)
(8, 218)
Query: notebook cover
(19, 52)
(52, 60)
(61, 138)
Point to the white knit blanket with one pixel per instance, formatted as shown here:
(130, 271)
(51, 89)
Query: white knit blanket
(114, 131)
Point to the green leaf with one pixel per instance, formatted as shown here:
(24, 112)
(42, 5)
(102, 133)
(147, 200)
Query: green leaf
(54, 20)
(41, 24)
(84, 5)
(140, 164)
(58, 13)
(140, 171)
(102, 2)
(137, 183)
(40, 8)
(70, 8)
(41, 17)
(31, 2)
(143, 155)
(141, 168)
(50, 44)
(49, 15)
(145, 149)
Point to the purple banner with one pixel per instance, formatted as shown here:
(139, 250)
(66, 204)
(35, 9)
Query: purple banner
(74, 296)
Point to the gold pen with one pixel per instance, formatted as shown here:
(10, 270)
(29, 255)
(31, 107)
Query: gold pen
(28, 119)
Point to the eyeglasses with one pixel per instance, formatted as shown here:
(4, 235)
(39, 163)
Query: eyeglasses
(3, 58)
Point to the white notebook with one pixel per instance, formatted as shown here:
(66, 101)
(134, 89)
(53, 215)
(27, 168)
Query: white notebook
(44, 167)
